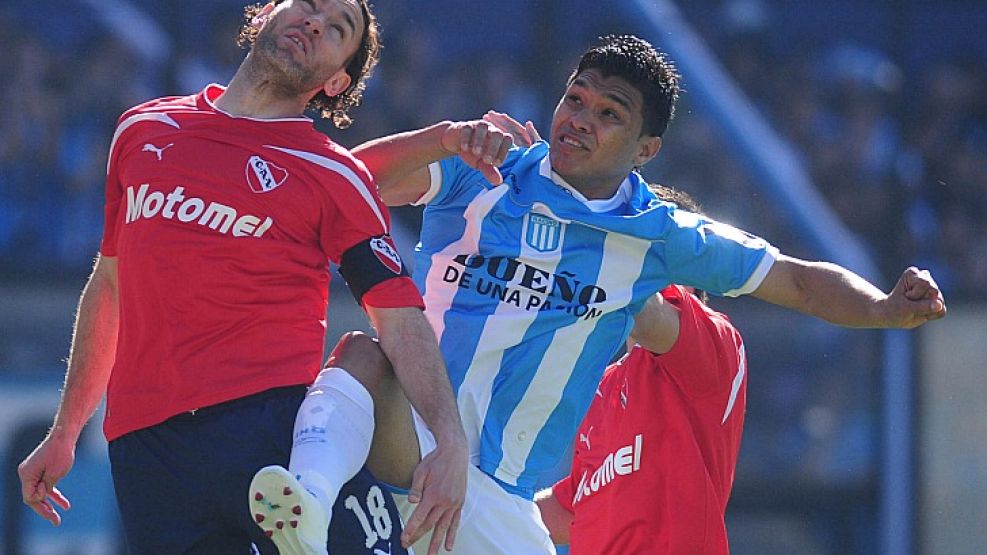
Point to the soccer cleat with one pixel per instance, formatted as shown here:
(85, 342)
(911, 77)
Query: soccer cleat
(277, 499)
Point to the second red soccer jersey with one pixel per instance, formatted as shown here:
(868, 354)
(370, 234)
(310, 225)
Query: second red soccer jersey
(655, 456)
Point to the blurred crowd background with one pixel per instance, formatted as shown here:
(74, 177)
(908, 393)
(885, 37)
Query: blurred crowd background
(884, 101)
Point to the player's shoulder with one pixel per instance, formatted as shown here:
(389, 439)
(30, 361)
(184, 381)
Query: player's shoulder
(684, 299)
(332, 162)
(700, 319)
(162, 105)
(525, 162)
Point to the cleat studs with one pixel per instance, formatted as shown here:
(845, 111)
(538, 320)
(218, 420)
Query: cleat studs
(297, 509)
(258, 496)
(269, 533)
(258, 518)
(287, 490)
(279, 524)
(294, 523)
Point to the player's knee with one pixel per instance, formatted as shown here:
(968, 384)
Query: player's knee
(361, 356)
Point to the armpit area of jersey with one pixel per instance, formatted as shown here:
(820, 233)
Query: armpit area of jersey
(370, 262)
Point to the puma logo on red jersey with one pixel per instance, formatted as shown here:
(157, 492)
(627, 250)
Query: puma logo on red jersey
(264, 176)
(584, 438)
(159, 152)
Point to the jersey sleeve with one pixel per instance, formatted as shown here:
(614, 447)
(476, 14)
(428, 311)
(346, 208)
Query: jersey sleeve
(113, 198)
(352, 210)
(393, 293)
(111, 211)
(354, 233)
(708, 353)
(563, 490)
(451, 177)
(715, 257)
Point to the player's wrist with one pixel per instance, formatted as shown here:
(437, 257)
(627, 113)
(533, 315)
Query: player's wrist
(448, 138)
(451, 438)
(64, 434)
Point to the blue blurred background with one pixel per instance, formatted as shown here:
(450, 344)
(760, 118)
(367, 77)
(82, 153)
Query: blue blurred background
(857, 442)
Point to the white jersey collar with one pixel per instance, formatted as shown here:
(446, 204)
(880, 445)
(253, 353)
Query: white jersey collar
(619, 198)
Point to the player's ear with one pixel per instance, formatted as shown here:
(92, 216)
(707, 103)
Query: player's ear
(337, 83)
(648, 148)
(258, 21)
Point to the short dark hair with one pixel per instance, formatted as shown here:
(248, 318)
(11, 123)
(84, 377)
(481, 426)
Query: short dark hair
(359, 67)
(645, 68)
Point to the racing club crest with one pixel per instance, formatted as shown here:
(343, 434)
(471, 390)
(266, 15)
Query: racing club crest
(542, 233)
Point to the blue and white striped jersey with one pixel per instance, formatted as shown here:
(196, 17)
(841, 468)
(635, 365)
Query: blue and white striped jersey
(531, 292)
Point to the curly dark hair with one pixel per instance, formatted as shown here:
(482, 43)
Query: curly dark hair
(360, 67)
(645, 68)
(669, 194)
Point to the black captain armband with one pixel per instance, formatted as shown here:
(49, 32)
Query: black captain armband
(370, 262)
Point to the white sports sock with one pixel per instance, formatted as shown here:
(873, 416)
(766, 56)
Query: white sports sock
(332, 435)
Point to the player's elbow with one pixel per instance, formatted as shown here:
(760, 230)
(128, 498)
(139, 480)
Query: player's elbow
(556, 518)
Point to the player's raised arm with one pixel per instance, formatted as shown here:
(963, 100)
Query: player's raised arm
(839, 296)
(439, 481)
(656, 327)
(90, 361)
(400, 162)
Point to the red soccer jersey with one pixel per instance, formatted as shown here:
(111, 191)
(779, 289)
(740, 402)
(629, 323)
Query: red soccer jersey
(655, 455)
(223, 228)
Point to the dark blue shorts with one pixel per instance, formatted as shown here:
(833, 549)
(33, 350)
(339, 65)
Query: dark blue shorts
(182, 485)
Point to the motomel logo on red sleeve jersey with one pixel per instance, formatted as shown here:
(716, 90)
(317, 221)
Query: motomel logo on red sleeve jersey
(223, 228)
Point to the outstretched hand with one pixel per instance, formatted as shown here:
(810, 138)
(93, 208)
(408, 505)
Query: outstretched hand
(480, 144)
(39, 473)
(915, 299)
(523, 135)
(438, 488)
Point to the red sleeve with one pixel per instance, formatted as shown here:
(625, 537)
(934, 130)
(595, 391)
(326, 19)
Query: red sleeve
(705, 357)
(563, 491)
(353, 211)
(394, 293)
(114, 194)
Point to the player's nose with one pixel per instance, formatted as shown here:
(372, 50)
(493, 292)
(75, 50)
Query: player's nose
(314, 24)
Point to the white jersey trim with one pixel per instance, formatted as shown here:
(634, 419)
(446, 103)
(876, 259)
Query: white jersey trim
(127, 123)
(753, 282)
(619, 198)
(737, 380)
(434, 185)
(342, 170)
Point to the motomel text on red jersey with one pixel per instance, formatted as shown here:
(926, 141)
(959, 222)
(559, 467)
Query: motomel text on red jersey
(216, 216)
(624, 461)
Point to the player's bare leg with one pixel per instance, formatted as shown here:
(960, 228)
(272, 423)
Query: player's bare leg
(395, 451)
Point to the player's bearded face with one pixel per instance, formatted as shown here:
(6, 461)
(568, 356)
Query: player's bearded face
(301, 47)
